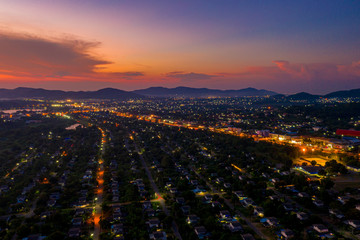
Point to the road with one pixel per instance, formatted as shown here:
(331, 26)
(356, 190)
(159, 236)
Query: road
(175, 228)
(231, 206)
(100, 188)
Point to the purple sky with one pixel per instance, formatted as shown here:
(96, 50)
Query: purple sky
(284, 46)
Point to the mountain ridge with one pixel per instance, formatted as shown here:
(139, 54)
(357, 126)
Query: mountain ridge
(105, 93)
(181, 91)
(201, 92)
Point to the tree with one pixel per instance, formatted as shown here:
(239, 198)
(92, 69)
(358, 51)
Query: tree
(327, 183)
(313, 163)
(56, 236)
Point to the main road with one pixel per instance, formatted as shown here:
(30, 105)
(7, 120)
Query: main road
(97, 210)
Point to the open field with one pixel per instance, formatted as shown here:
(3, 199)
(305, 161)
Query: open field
(319, 160)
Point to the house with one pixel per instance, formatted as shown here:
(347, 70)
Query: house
(247, 236)
(76, 221)
(208, 197)
(4, 188)
(192, 219)
(213, 174)
(216, 204)
(303, 195)
(45, 215)
(201, 232)
(116, 209)
(117, 228)
(153, 223)
(74, 232)
(265, 175)
(274, 197)
(173, 190)
(194, 182)
(79, 212)
(83, 192)
(141, 186)
(150, 212)
(55, 195)
(115, 198)
(227, 185)
(241, 178)
(185, 209)
(180, 200)
(235, 226)
(225, 214)
(82, 200)
(117, 216)
(302, 216)
(219, 180)
(336, 213)
(158, 235)
(119, 238)
(259, 211)
(21, 199)
(287, 233)
(318, 203)
(354, 224)
(320, 228)
(34, 237)
(284, 173)
(272, 221)
(343, 199)
(274, 180)
(248, 202)
(239, 194)
(143, 193)
(147, 205)
(199, 189)
(169, 184)
(51, 203)
(288, 207)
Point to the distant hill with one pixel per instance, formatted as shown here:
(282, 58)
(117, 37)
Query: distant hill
(106, 93)
(338, 94)
(303, 96)
(187, 92)
(344, 94)
(201, 92)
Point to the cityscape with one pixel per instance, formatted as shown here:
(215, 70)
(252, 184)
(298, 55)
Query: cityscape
(176, 120)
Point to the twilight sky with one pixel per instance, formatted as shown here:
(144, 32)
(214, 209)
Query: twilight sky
(284, 46)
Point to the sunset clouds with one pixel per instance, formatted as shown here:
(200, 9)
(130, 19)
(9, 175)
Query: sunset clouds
(287, 46)
(37, 57)
(34, 57)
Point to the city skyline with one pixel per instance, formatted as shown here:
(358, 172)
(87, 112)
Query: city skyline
(286, 47)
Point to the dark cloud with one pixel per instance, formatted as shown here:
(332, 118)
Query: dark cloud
(127, 74)
(43, 58)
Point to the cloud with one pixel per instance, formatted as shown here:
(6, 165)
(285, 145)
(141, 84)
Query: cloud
(191, 76)
(127, 74)
(34, 57)
(352, 70)
(292, 77)
(47, 58)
